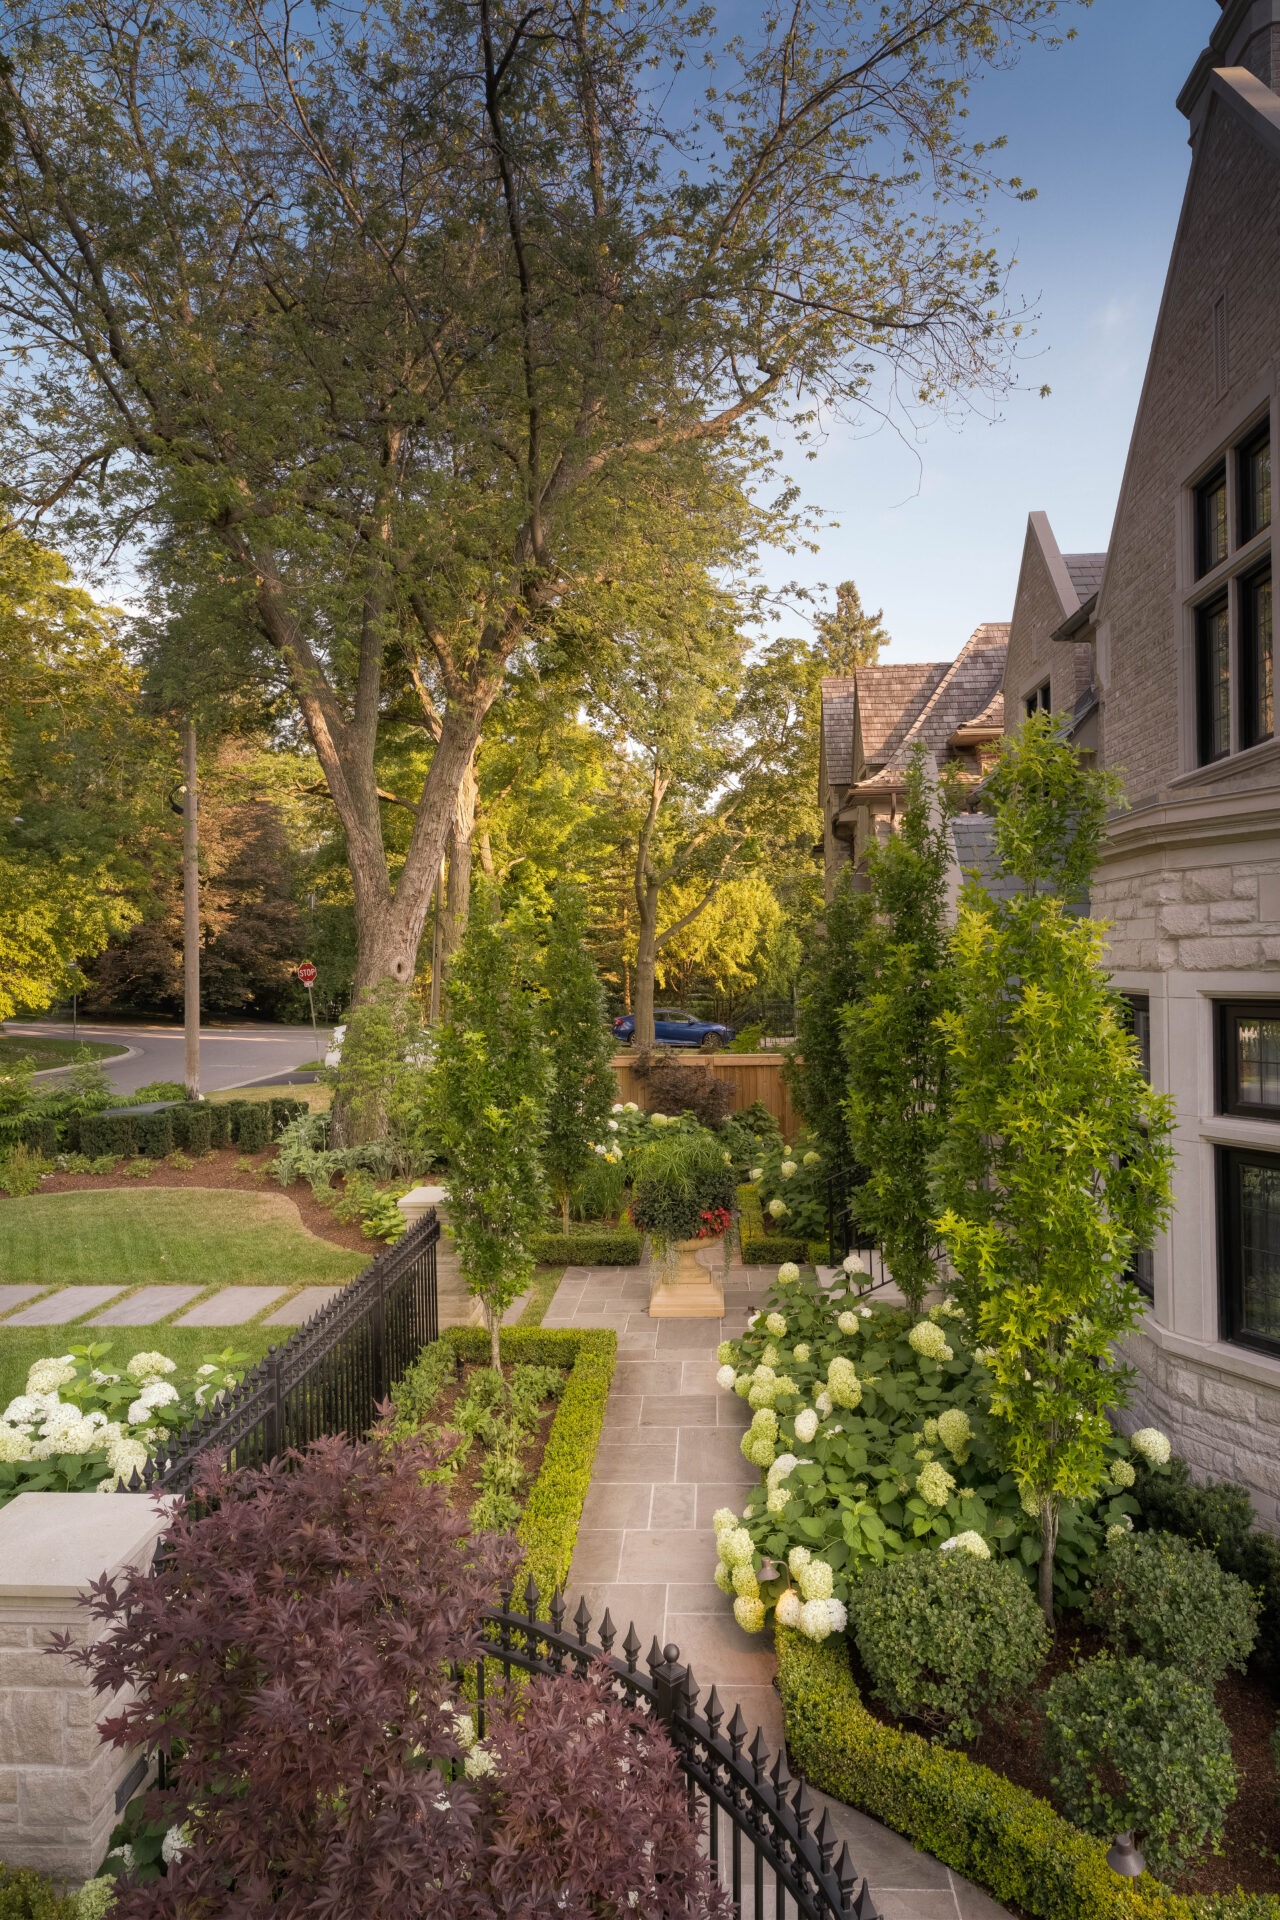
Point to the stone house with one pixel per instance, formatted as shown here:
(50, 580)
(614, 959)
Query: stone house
(1182, 635)
(1055, 596)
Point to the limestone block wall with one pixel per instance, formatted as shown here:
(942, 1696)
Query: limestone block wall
(1225, 1425)
(61, 1789)
(1192, 915)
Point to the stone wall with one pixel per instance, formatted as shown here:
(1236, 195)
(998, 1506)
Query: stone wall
(1201, 918)
(1225, 1426)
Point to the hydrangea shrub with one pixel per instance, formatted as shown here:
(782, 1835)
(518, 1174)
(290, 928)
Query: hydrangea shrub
(872, 1436)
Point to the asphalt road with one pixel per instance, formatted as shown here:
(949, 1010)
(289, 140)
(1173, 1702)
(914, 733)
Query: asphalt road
(229, 1056)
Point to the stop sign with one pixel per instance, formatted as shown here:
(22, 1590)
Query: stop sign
(307, 973)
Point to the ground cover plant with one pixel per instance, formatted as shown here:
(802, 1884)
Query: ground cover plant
(336, 1763)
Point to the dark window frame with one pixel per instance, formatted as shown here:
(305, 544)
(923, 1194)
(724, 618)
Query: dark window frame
(1253, 731)
(1227, 1051)
(1037, 701)
(1209, 525)
(1228, 1162)
(1251, 523)
(1218, 606)
(1141, 1270)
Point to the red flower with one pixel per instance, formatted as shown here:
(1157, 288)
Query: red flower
(715, 1222)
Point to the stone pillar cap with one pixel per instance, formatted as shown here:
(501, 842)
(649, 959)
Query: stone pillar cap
(424, 1197)
(53, 1544)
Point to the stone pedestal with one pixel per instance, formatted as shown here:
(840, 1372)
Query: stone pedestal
(420, 1200)
(61, 1789)
(457, 1307)
(687, 1290)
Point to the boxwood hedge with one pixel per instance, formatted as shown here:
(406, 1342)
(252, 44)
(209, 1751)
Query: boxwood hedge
(589, 1247)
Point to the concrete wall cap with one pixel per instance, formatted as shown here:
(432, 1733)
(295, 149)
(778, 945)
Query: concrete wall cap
(419, 1197)
(53, 1544)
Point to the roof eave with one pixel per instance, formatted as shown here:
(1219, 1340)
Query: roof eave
(1075, 624)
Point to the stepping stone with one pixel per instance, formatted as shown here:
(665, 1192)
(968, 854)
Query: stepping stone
(147, 1305)
(11, 1297)
(68, 1303)
(232, 1307)
(295, 1312)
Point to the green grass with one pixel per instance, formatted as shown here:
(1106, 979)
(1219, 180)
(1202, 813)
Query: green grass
(43, 1052)
(200, 1236)
(545, 1282)
(317, 1097)
(188, 1346)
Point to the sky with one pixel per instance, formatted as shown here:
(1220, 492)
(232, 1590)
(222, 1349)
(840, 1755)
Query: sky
(931, 530)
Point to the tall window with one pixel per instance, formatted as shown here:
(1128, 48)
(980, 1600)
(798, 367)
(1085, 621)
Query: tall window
(1249, 1058)
(1213, 676)
(1257, 711)
(1255, 485)
(1211, 522)
(1249, 1211)
(1142, 1269)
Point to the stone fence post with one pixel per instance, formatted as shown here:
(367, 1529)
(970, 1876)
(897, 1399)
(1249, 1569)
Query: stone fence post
(61, 1789)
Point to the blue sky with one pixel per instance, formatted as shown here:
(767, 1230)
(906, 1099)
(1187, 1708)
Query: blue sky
(932, 531)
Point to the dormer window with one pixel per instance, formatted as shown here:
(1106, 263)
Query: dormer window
(1211, 522)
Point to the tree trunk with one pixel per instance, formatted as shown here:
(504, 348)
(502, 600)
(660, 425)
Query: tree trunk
(458, 897)
(493, 1321)
(190, 916)
(1048, 1553)
(437, 947)
(646, 959)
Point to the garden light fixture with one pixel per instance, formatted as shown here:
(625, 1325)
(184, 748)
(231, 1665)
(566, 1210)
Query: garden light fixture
(1124, 1858)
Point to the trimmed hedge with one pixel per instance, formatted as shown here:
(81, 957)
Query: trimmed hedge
(193, 1126)
(284, 1109)
(760, 1249)
(1000, 1835)
(153, 1134)
(589, 1247)
(219, 1124)
(548, 1529)
(39, 1132)
(108, 1133)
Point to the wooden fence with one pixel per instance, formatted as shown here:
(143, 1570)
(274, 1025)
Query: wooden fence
(755, 1076)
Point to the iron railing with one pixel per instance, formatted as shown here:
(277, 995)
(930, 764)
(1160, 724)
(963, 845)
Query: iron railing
(844, 1236)
(327, 1378)
(756, 1819)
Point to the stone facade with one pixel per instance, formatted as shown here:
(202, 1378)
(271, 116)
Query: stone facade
(1046, 597)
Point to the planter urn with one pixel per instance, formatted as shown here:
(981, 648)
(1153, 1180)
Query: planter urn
(684, 1287)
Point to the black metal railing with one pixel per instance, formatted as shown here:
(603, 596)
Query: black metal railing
(845, 1236)
(756, 1819)
(327, 1378)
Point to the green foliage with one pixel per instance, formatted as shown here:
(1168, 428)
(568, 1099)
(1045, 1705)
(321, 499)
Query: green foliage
(28, 1895)
(948, 1637)
(602, 1247)
(833, 977)
(379, 1082)
(1056, 1161)
(1135, 1745)
(747, 1039)
(250, 1125)
(792, 1189)
(153, 1134)
(110, 1133)
(600, 1190)
(486, 1098)
(679, 1178)
(21, 1171)
(899, 1074)
(1001, 1836)
(756, 1248)
(193, 1125)
(878, 1443)
(157, 1090)
(580, 1084)
(1220, 1516)
(1158, 1595)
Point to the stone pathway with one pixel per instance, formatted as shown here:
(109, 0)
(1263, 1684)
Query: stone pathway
(668, 1457)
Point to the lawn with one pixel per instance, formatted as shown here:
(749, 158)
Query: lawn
(46, 1052)
(189, 1347)
(311, 1092)
(202, 1236)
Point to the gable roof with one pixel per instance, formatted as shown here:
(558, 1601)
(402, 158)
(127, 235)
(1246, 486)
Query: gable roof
(890, 699)
(839, 701)
(966, 687)
(1085, 570)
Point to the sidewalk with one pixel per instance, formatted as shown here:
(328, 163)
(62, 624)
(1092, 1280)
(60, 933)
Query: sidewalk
(668, 1457)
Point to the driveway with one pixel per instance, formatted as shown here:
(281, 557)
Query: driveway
(229, 1056)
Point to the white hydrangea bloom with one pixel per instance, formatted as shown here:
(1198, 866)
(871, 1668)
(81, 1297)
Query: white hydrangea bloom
(726, 1352)
(782, 1467)
(955, 1432)
(1120, 1531)
(139, 1413)
(629, 1106)
(617, 1107)
(736, 1549)
(776, 1325)
(1122, 1473)
(816, 1580)
(768, 1360)
(749, 1614)
(464, 1730)
(788, 1608)
(478, 1763)
(757, 1173)
(149, 1366)
(843, 1383)
(612, 1125)
(787, 1169)
(723, 1519)
(46, 1376)
(176, 1842)
(1029, 1504)
(802, 1352)
(752, 1318)
(930, 1341)
(823, 1402)
(788, 1274)
(722, 1577)
(848, 1322)
(934, 1484)
(1152, 1445)
(776, 1499)
(28, 1408)
(14, 1445)
(745, 1583)
(726, 1379)
(159, 1394)
(838, 1615)
(967, 1542)
(776, 1208)
(815, 1619)
(852, 1264)
(797, 1558)
(811, 1158)
(806, 1425)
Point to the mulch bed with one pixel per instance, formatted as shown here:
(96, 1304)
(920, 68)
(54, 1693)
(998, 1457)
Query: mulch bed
(1250, 1857)
(218, 1169)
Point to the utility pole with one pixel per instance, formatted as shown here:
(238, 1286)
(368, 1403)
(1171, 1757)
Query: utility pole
(190, 917)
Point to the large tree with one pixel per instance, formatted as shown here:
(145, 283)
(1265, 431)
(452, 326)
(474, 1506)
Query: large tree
(429, 325)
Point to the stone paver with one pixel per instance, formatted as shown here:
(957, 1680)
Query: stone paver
(231, 1307)
(296, 1312)
(68, 1303)
(11, 1297)
(146, 1306)
(669, 1455)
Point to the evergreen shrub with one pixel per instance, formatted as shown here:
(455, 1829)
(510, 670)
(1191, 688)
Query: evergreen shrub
(107, 1133)
(153, 1134)
(1164, 1597)
(193, 1126)
(1220, 1516)
(219, 1124)
(251, 1125)
(589, 1247)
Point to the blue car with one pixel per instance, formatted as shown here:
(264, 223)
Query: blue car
(672, 1028)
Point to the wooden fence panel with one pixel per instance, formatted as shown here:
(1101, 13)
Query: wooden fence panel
(755, 1076)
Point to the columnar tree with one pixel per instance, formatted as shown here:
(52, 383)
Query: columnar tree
(899, 1077)
(487, 1110)
(432, 334)
(833, 976)
(1057, 1160)
(580, 1084)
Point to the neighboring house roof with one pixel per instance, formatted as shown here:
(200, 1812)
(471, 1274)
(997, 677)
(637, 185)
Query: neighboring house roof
(968, 686)
(974, 838)
(1085, 570)
(839, 699)
(990, 720)
(890, 700)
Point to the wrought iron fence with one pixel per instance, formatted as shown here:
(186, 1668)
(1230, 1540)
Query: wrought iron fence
(757, 1818)
(844, 1236)
(327, 1378)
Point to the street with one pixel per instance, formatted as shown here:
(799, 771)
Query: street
(229, 1056)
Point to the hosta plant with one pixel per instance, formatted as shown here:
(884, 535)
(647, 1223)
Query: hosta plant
(871, 1434)
(83, 1423)
(298, 1649)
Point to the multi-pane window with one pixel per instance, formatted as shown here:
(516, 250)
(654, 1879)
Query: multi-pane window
(1138, 1018)
(1038, 700)
(1255, 485)
(1233, 623)
(1249, 1201)
(1213, 677)
(1249, 1058)
(1211, 522)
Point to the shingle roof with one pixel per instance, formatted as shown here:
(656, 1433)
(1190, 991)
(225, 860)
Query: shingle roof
(839, 700)
(966, 687)
(974, 838)
(992, 714)
(1086, 572)
(890, 700)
